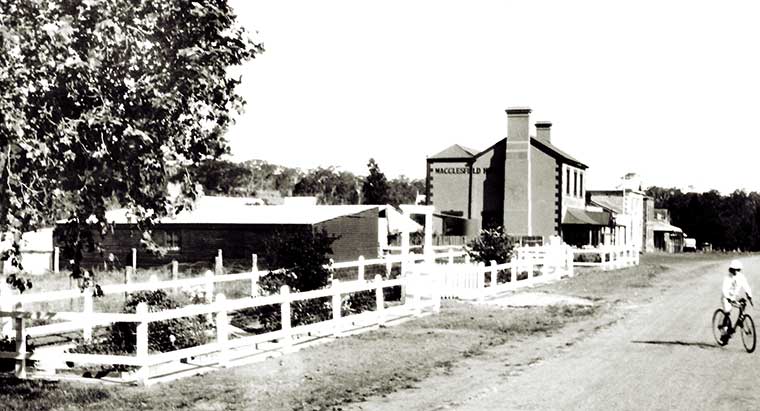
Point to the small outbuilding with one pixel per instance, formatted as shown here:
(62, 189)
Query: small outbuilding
(239, 227)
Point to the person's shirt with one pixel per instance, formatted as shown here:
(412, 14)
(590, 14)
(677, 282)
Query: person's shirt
(733, 285)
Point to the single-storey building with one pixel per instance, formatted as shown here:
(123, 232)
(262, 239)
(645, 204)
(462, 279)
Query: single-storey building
(239, 228)
(665, 236)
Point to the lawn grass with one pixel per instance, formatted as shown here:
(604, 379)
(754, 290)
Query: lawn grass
(354, 368)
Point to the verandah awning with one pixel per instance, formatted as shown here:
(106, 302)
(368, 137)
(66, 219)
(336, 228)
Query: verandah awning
(575, 216)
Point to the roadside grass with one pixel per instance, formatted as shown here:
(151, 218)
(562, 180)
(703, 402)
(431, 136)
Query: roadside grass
(620, 284)
(320, 377)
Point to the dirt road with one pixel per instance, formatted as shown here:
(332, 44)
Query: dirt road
(658, 353)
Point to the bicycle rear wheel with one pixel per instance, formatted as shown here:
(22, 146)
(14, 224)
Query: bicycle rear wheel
(749, 338)
(719, 318)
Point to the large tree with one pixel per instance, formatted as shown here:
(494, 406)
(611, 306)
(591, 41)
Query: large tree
(105, 100)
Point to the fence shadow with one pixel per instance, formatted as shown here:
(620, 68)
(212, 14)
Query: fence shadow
(678, 342)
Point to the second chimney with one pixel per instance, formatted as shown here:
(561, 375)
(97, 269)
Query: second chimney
(543, 131)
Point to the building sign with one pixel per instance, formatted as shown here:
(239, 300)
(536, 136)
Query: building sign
(460, 170)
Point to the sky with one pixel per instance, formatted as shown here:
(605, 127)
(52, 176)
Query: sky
(666, 89)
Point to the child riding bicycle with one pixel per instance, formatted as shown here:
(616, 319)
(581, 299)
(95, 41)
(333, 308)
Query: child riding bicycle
(734, 287)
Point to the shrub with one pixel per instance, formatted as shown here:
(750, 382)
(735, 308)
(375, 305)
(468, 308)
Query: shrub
(301, 257)
(163, 336)
(492, 244)
(9, 345)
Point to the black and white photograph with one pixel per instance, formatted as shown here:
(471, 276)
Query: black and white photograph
(357, 205)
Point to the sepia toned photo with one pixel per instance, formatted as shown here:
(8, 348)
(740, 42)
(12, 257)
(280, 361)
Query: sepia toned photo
(378, 205)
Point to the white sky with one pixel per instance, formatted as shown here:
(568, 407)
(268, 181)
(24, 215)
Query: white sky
(667, 89)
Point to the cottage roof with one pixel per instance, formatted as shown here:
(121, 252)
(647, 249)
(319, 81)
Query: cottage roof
(456, 151)
(234, 210)
(663, 226)
(577, 216)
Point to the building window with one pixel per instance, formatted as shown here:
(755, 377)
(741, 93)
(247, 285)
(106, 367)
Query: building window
(168, 239)
(575, 184)
(567, 183)
(580, 190)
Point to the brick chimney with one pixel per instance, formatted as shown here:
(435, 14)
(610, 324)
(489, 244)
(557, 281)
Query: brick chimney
(518, 123)
(517, 180)
(543, 131)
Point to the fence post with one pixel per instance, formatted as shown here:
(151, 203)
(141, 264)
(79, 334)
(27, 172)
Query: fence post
(56, 260)
(467, 259)
(128, 275)
(142, 344)
(379, 300)
(209, 286)
(222, 330)
(388, 268)
(494, 273)
(513, 271)
(134, 260)
(481, 281)
(87, 310)
(417, 296)
(218, 265)
(255, 275)
(435, 292)
(287, 338)
(175, 270)
(20, 328)
(570, 261)
(360, 268)
(337, 302)
(451, 255)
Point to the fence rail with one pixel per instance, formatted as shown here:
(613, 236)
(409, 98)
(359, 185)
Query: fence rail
(222, 349)
(425, 280)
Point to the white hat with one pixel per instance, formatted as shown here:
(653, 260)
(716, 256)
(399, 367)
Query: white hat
(735, 265)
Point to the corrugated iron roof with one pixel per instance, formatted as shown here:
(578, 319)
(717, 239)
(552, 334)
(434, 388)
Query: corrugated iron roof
(234, 210)
(577, 216)
(663, 226)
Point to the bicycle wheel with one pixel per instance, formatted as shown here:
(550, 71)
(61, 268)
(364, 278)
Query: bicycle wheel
(749, 338)
(719, 317)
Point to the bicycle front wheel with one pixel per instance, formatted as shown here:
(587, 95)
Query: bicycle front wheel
(749, 338)
(719, 318)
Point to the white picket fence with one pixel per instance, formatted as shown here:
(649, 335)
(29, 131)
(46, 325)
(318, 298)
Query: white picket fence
(417, 298)
(606, 257)
(224, 350)
(478, 281)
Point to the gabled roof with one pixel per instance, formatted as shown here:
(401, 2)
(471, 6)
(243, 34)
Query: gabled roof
(557, 153)
(234, 210)
(455, 151)
(606, 203)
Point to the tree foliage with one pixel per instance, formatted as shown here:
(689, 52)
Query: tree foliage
(104, 101)
(329, 185)
(727, 222)
(375, 188)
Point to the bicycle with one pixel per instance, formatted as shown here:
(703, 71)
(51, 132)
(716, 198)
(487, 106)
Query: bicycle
(744, 323)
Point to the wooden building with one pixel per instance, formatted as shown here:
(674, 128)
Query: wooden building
(239, 228)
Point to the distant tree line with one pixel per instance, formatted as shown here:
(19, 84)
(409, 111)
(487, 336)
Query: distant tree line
(328, 184)
(727, 222)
